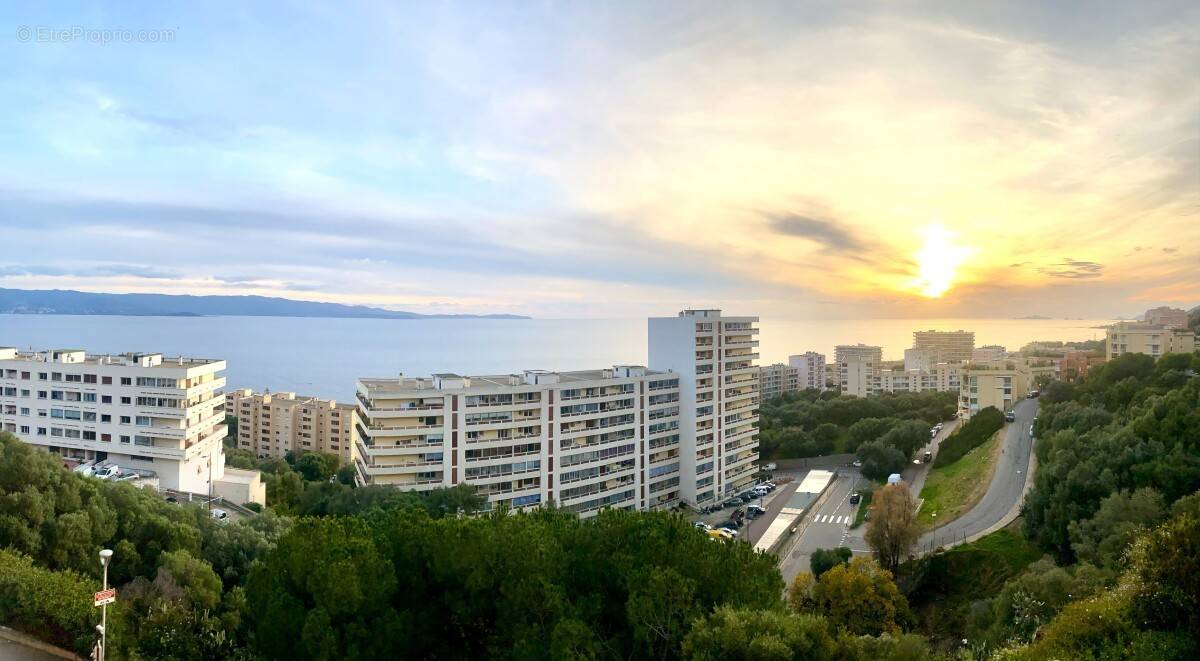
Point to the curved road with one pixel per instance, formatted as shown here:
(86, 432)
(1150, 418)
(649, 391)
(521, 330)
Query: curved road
(1005, 492)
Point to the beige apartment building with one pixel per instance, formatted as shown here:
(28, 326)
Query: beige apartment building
(1167, 317)
(811, 370)
(271, 424)
(157, 417)
(774, 380)
(715, 358)
(988, 352)
(1151, 339)
(1000, 383)
(583, 440)
(946, 346)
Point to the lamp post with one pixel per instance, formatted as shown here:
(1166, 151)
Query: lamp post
(105, 558)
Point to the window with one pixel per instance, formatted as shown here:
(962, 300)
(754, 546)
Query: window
(56, 376)
(126, 400)
(74, 378)
(107, 438)
(89, 416)
(41, 431)
(126, 381)
(89, 396)
(124, 439)
(41, 376)
(89, 378)
(125, 420)
(24, 429)
(106, 399)
(105, 418)
(106, 380)
(89, 435)
(143, 421)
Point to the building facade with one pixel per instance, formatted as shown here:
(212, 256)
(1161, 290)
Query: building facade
(946, 346)
(715, 359)
(811, 370)
(999, 383)
(1167, 317)
(582, 440)
(159, 417)
(988, 352)
(273, 424)
(774, 380)
(858, 366)
(1150, 339)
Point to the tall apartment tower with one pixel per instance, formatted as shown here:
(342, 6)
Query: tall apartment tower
(584, 440)
(158, 417)
(946, 346)
(858, 367)
(271, 424)
(714, 357)
(811, 366)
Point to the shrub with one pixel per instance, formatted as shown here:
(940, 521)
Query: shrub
(975, 433)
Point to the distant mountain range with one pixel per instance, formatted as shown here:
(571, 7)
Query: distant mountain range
(65, 301)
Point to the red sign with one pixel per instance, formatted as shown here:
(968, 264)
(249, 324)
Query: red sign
(106, 596)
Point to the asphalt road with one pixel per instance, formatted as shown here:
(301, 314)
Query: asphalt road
(1006, 489)
(828, 525)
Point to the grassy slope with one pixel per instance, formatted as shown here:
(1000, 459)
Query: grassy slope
(950, 491)
(947, 583)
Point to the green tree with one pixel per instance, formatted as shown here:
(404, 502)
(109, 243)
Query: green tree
(732, 633)
(892, 529)
(822, 560)
(194, 576)
(317, 466)
(860, 597)
(1101, 540)
(879, 460)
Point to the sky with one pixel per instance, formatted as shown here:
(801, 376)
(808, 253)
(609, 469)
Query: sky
(609, 159)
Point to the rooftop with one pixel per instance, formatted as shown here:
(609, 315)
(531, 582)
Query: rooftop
(450, 381)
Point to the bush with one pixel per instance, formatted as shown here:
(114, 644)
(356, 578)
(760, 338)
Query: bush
(975, 433)
(49, 605)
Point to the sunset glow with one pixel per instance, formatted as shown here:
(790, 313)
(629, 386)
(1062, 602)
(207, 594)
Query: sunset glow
(938, 260)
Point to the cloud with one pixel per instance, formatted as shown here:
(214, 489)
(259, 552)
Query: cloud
(1072, 269)
(828, 234)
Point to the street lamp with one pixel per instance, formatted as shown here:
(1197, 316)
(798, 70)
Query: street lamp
(105, 558)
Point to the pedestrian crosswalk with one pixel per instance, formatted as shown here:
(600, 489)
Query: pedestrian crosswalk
(831, 518)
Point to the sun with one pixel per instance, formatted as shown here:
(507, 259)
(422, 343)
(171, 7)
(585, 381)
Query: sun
(937, 261)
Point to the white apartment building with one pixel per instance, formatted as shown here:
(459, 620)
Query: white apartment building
(143, 412)
(583, 440)
(811, 366)
(858, 365)
(714, 357)
(774, 380)
(272, 424)
(919, 359)
(1151, 339)
(942, 377)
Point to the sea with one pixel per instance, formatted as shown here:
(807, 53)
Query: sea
(323, 357)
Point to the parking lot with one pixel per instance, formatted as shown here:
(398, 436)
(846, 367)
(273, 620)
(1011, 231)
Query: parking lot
(752, 529)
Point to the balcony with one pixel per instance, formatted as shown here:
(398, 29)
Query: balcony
(400, 469)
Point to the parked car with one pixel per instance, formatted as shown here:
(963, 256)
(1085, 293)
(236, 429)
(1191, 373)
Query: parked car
(855, 498)
(760, 490)
(733, 524)
(927, 457)
(719, 534)
(733, 502)
(754, 511)
(220, 514)
(732, 533)
(769, 485)
(107, 472)
(127, 477)
(171, 499)
(857, 463)
(747, 497)
(1010, 416)
(894, 478)
(700, 525)
(769, 467)
(86, 468)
